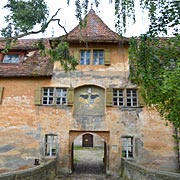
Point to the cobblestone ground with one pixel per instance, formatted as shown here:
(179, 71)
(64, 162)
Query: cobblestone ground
(88, 166)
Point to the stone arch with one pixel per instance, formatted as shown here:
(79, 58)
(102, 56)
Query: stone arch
(90, 84)
(105, 135)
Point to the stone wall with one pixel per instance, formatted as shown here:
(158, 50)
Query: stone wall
(132, 171)
(42, 172)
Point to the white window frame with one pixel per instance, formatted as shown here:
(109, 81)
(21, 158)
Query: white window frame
(84, 59)
(97, 59)
(118, 97)
(128, 98)
(133, 97)
(53, 97)
(127, 148)
(51, 145)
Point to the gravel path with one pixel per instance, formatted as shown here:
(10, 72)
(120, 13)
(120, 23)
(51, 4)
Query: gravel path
(88, 166)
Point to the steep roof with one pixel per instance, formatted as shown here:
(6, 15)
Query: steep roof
(94, 30)
(31, 65)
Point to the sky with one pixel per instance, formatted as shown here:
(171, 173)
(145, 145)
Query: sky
(67, 18)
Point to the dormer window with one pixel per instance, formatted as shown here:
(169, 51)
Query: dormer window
(93, 56)
(98, 56)
(85, 57)
(11, 58)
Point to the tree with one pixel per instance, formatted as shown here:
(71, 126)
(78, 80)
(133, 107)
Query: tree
(155, 67)
(155, 63)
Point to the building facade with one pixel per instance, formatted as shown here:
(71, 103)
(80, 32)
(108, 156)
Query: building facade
(44, 109)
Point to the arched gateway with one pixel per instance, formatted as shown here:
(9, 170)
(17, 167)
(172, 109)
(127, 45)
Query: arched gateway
(103, 134)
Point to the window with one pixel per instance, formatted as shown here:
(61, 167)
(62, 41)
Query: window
(131, 95)
(125, 98)
(98, 56)
(85, 57)
(127, 147)
(50, 145)
(118, 97)
(94, 57)
(11, 58)
(54, 96)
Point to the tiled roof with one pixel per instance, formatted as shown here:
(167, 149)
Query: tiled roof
(22, 44)
(32, 65)
(95, 30)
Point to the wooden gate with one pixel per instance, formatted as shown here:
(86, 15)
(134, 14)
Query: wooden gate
(87, 140)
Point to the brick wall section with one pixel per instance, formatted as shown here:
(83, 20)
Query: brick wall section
(132, 171)
(42, 172)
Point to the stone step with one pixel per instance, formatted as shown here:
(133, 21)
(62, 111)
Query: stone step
(87, 177)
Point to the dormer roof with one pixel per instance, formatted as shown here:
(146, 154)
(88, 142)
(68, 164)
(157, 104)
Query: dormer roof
(31, 63)
(95, 30)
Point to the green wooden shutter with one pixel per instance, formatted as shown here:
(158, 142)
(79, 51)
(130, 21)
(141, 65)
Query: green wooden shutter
(70, 96)
(140, 98)
(107, 60)
(1, 93)
(109, 97)
(76, 54)
(38, 96)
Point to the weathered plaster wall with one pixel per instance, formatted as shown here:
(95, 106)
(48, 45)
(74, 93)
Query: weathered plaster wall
(24, 125)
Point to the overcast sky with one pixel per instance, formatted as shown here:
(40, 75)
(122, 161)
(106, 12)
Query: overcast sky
(68, 19)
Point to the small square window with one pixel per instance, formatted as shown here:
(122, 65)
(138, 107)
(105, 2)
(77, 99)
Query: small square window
(131, 95)
(118, 97)
(50, 145)
(11, 58)
(127, 147)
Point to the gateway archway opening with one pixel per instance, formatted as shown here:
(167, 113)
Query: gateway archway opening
(89, 153)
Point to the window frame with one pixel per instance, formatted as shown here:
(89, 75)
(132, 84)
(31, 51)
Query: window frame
(84, 58)
(129, 148)
(91, 56)
(51, 99)
(118, 97)
(51, 147)
(11, 57)
(20, 57)
(124, 103)
(133, 99)
(98, 56)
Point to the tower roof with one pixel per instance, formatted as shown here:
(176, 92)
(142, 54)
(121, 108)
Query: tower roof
(95, 30)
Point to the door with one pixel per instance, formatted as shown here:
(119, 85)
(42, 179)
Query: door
(87, 140)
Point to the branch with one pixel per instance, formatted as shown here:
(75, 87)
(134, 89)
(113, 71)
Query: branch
(43, 28)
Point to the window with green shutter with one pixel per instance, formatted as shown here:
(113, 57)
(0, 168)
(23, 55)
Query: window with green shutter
(109, 97)
(141, 101)
(37, 96)
(107, 60)
(1, 93)
(70, 96)
(76, 54)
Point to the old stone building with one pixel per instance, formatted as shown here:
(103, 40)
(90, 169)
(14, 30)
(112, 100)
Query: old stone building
(43, 109)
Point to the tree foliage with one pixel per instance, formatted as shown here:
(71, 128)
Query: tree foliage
(23, 16)
(155, 67)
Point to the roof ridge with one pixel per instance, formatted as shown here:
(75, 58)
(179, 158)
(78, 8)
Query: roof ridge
(94, 29)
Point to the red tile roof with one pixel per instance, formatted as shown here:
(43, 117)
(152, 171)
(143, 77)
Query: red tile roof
(30, 66)
(94, 30)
